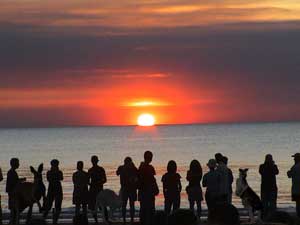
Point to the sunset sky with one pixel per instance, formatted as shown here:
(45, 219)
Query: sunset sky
(100, 62)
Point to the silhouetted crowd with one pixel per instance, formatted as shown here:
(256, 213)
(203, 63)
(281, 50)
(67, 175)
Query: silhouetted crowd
(139, 184)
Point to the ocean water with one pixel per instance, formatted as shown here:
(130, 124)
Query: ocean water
(244, 144)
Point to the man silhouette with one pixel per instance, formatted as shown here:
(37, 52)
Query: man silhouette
(147, 189)
(80, 194)
(97, 178)
(11, 182)
(294, 173)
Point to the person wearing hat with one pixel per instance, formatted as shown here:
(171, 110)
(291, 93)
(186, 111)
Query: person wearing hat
(55, 191)
(294, 173)
(211, 180)
(268, 171)
(97, 178)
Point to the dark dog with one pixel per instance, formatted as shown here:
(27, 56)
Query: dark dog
(250, 199)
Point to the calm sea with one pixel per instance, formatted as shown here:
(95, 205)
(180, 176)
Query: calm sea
(244, 144)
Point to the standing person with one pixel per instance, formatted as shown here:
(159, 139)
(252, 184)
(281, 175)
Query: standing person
(97, 178)
(81, 193)
(211, 181)
(224, 181)
(171, 187)
(194, 191)
(230, 180)
(1, 179)
(148, 189)
(268, 171)
(55, 191)
(128, 179)
(294, 173)
(12, 181)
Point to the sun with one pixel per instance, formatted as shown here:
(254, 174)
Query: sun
(146, 119)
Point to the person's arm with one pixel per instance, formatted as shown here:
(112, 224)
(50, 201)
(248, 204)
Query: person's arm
(74, 178)
(290, 172)
(204, 181)
(188, 176)
(179, 184)
(1, 175)
(230, 176)
(61, 176)
(104, 179)
(261, 169)
(276, 171)
(118, 171)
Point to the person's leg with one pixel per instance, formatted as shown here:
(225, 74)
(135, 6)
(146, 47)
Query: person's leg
(168, 205)
(176, 203)
(142, 211)
(132, 209)
(48, 204)
(298, 207)
(264, 200)
(77, 209)
(152, 211)
(199, 209)
(84, 209)
(58, 203)
(273, 202)
(192, 203)
(124, 204)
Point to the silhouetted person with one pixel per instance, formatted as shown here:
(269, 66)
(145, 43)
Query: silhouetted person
(12, 181)
(81, 193)
(1, 179)
(171, 187)
(294, 173)
(55, 192)
(194, 191)
(268, 191)
(97, 178)
(230, 180)
(224, 179)
(128, 179)
(147, 189)
(211, 181)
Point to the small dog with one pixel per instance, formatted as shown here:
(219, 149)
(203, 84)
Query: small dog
(107, 198)
(250, 199)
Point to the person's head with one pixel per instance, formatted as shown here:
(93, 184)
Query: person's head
(80, 165)
(212, 164)
(94, 160)
(296, 157)
(182, 216)
(269, 159)
(14, 163)
(219, 157)
(148, 157)
(127, 161)
(54, 163)
(195, 166)
(172, 166)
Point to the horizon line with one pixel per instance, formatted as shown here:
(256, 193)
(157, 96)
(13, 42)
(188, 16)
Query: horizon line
(156, 125)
